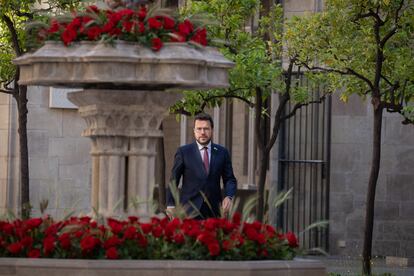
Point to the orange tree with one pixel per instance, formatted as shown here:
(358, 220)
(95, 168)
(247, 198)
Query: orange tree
(363, 48)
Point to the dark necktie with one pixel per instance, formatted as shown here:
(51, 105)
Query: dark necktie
(205, 159)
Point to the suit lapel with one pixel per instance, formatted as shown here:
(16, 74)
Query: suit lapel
(213, 157)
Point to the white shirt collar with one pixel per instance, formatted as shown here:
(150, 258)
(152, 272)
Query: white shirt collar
(200, 147)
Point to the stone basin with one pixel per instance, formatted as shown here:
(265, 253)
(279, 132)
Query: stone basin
(124, 65)
(54, 267)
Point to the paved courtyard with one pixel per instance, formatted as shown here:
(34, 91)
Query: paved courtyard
(348, 266)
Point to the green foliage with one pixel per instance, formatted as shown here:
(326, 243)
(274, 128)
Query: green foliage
(20, 13)
(343, 40)
(257, 60)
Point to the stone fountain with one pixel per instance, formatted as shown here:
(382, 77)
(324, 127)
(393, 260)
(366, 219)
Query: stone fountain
(126, 92)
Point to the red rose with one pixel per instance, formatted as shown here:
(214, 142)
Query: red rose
(157, 231)
(257, 225)
(93, 32)
(156, 44)
(68, 36)
(115, 31)
(179, 238)
(34, 253)
(65, 241)
(48, 245)
(141, 27)
(155, 221)
(15, 248)
(126, 13)
(214, 249)
(130, 233)
(54, 26)
(108, 27)
(133, 219)
(112, 242)
(250, 233)
(127, 25)
(270, 231)
(111, 253)
(27, 242)
(142, 13)
(210, 224)
(146, 228)
(8, 228)
(115, 225)
(186, 27)
(142, 240)
(172, 226)
(85, 220)
(168, 22)
(33, 223)
(78, 234)
(154, 23)
(86, 19)
(236, 218)
(261, 238)
(88, 243)
(206, 238)
(76, 23)
(200, 37)
(292, 240)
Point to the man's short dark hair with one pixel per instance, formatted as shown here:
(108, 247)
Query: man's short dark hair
(204, 117)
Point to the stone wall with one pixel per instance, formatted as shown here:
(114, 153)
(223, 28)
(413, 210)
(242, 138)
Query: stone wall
(59, 162)
(350, 167)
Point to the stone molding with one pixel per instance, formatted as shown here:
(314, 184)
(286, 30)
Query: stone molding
(124, 65)
(52, 267)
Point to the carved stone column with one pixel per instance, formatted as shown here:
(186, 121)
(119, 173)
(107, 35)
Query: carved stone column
(124, 127)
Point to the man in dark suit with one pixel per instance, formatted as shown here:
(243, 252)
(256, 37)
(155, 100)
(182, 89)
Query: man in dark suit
(202, 164)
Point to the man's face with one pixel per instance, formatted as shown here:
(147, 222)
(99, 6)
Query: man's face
(202, 131)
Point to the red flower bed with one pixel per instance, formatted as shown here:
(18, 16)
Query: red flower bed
(211, 239)
(96, 24)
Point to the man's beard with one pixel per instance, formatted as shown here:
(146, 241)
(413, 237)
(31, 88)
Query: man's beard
(203, 143)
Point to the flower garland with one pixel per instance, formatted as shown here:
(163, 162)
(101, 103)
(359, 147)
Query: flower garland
(126, 24)
(211, 239)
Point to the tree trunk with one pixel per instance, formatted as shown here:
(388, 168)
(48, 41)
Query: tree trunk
(21, 99)
(262, 165)
(372, 185)
(161, 185)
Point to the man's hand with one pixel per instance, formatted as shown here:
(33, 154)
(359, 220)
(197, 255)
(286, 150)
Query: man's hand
(226, 204)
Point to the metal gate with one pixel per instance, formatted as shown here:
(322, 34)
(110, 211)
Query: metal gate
(304, 154)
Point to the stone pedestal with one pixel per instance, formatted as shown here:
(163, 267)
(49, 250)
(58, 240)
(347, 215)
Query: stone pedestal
(124, 126)
(127, 89)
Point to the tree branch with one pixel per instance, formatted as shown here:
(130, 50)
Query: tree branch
(283, 101)
(299, 105)
(348, 71)
(258, 115)
(384, 40)
(205, 99)
(13, 33)
(10, 92)
(386, 79)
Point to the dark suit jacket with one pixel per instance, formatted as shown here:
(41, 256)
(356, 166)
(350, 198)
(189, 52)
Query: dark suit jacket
(189, 165)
